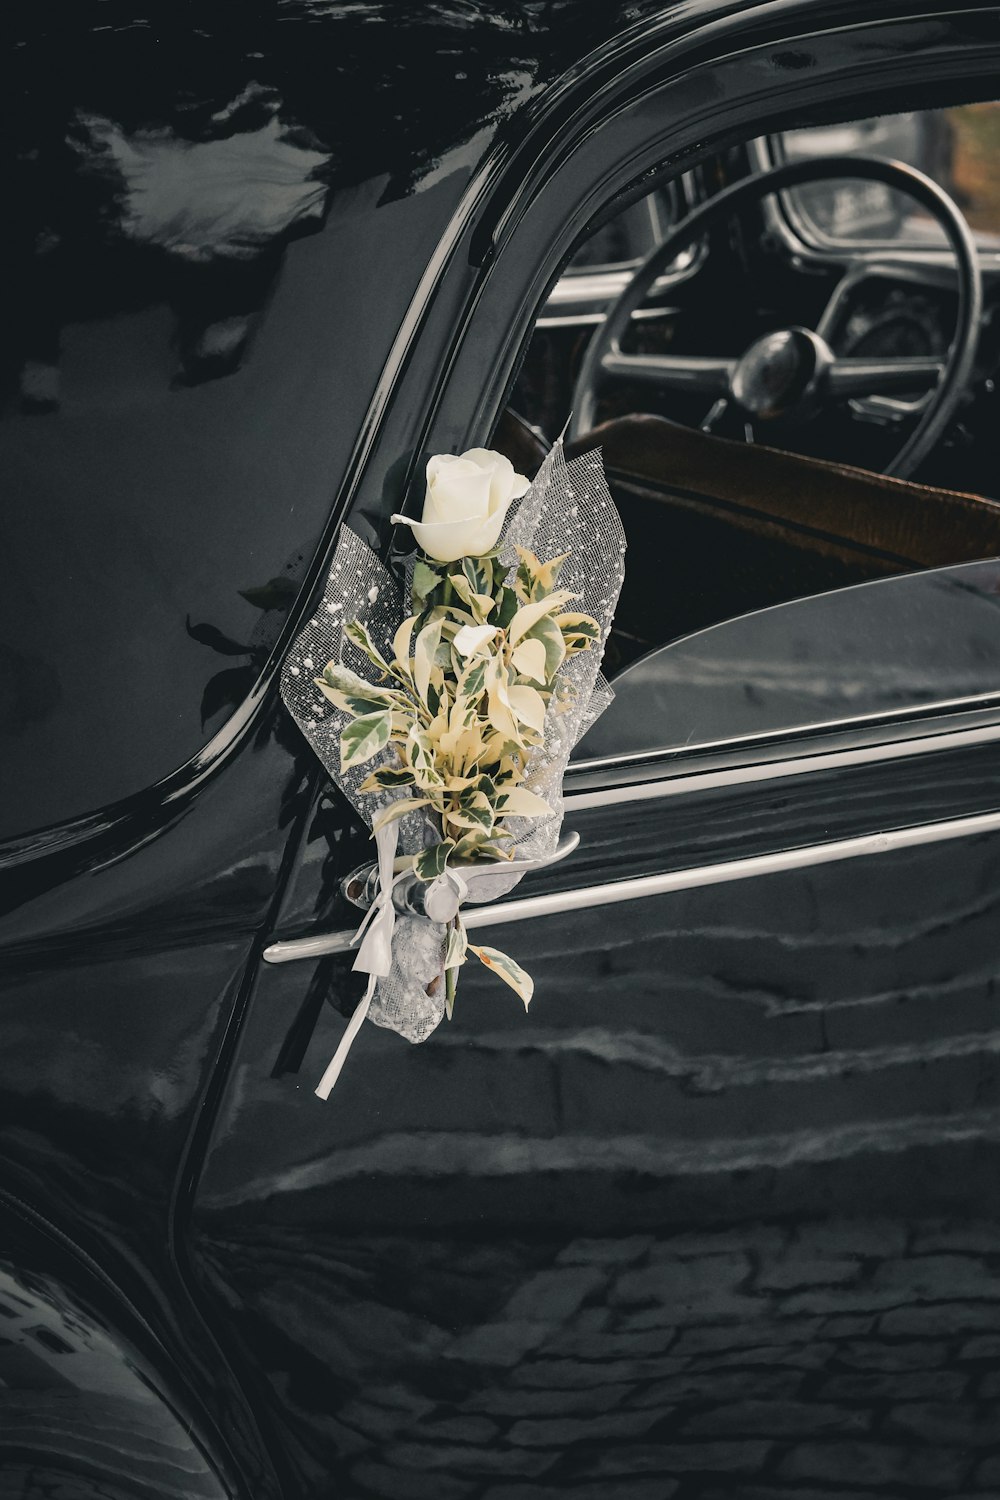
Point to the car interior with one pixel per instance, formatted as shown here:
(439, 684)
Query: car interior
(791, 371)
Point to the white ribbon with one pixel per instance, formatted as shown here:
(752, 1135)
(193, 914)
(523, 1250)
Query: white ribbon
(375, 954)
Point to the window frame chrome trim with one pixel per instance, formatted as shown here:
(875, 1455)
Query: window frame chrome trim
(773, 770)
(817, 742)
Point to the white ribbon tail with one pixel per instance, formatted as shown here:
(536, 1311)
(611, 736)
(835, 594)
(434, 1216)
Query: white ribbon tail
(325, 1087)
(374, 956)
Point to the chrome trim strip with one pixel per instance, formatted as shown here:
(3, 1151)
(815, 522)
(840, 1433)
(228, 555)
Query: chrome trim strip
(893, 718)
(672, 881)
(673, 785)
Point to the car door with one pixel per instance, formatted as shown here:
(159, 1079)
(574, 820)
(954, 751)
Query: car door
(725, 1202)
(720, 1213)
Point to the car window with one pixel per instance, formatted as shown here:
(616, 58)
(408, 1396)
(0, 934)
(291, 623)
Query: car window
(957, 148)
(776, 577)
(876, 648)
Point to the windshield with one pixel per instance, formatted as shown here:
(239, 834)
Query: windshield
(959, 148)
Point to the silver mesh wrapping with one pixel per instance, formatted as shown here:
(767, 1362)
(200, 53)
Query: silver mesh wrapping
(567, 509)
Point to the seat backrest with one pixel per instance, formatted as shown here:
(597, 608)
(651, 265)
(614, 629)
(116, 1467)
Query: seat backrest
(718, 528)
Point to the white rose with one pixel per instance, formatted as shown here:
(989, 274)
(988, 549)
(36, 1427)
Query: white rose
(466, 503)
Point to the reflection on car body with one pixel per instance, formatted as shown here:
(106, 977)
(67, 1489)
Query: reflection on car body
(721, 1217)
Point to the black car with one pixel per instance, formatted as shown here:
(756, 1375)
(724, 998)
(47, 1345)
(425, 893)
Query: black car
(720, 1217)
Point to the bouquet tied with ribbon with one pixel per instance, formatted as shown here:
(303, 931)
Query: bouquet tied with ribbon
(448, 722)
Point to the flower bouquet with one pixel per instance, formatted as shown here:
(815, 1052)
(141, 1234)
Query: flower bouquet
(449, 723)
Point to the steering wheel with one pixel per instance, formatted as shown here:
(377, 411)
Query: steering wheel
(789, 374)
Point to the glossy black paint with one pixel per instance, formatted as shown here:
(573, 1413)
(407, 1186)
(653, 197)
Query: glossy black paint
(743, 1114)
(78, 1399)
(656, 1232)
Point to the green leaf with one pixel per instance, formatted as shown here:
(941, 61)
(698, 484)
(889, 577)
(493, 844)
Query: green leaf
(506, 969)
(432, 862)
(363, 738)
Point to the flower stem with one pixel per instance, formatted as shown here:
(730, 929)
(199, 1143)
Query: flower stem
(450, 987)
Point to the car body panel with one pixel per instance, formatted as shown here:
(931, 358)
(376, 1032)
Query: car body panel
(323, 1283)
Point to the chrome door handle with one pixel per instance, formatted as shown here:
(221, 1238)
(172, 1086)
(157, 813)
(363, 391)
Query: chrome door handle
(407, 898)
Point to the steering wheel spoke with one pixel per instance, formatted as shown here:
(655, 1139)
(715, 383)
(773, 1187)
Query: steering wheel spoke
(881, 377)
(701, 375)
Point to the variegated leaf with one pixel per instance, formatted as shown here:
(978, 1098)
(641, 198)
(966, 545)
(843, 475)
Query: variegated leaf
(478, 572)
(351, 693)
(506, 969)
(546, 631)
(529, 706)
(424, 650)
(474, 811)
(529, 614)
(420, 754)
(387, 778)
(472, 682)
(432, 862)
(530, 660)
(425, 580)
(501, 715)
(535, 579)
(401, 644)
(454, 953)
(363, 738)
(520, 802)
(473, 639)
(582, 625)
(506, 607)
(397, 809)
(356, 632)
(479, 604)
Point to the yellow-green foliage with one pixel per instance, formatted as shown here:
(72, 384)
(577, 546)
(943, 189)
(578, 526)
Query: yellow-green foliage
(463, 699)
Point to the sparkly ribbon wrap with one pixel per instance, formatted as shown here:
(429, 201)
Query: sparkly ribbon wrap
(566, 509)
